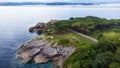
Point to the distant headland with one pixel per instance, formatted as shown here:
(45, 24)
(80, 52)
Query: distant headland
(53, 3)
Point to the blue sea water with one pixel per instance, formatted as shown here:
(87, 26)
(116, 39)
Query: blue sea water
(15, 21)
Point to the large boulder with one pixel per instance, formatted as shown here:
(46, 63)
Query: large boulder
(38, 28)
(35, 51)
(31, 29)
(29, 50)
(40, 58)
(28, 54)
(25, 56)
(48, 51)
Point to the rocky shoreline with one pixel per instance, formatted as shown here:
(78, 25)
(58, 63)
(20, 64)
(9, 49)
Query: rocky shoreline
(41, 51)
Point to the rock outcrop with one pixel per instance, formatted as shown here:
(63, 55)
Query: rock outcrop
(40, 51)
(49, 51)
(40, 58)
(38, 27)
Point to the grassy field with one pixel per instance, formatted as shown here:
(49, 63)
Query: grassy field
(96, 34)
(69, 38)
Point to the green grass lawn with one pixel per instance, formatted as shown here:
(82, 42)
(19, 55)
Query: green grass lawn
(69, 38)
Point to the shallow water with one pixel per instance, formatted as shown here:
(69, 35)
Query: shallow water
(15, 21)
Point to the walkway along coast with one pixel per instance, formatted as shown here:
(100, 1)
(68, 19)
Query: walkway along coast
(93, 39)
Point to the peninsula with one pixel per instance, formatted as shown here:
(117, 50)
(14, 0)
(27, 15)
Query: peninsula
(81, 42)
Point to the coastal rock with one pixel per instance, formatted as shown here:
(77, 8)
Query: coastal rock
(35, 51)
(48, 51)
(40, 58)
(29, 50)
(35, 43)
(38, 27)
(25, 56)
(31, 29)
(28, 54)
(40, 51)
(67, 51)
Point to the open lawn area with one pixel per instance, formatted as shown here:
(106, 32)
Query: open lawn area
(69, 38)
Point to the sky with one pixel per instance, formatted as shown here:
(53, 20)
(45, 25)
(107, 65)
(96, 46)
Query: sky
(59, 0)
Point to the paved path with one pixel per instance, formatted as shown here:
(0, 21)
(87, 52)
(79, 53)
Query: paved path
(93, 39)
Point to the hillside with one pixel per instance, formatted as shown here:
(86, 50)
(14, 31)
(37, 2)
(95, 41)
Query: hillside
(103, 53)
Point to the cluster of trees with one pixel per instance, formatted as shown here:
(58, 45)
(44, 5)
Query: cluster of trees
(104, 54)
(84, 25)
(89, 24)
(59, 27)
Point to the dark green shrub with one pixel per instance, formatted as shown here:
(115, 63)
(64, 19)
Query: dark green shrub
(63, 41)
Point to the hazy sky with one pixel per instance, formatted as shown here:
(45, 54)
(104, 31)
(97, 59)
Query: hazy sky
(59, 0)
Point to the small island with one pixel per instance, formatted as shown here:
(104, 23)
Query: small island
(81, 42)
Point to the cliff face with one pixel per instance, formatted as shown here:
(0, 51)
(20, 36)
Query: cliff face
(40, 51)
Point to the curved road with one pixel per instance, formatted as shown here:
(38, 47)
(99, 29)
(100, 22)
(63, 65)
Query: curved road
(93, 39)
